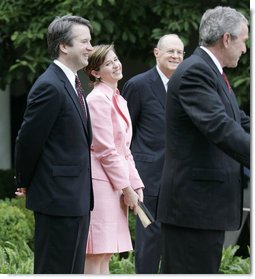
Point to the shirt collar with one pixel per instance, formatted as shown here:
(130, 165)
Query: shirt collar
(163, 77)
(68, 72)
(214, 59)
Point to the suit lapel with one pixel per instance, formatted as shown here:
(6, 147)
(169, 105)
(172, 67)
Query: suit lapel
(71, 92)
(157, 86)
(121, 107)
(74, 98)
(118, 101)
(89, 128)
(230, 96)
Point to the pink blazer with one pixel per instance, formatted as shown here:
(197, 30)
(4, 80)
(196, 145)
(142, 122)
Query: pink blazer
(112, 132)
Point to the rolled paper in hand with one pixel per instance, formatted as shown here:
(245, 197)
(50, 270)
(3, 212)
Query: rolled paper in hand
(144, 214)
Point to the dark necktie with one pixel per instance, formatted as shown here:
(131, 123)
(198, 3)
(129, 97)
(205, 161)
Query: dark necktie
(227, 82)
(80, 93)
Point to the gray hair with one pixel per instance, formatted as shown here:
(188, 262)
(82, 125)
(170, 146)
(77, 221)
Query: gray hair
(215, 22)
(60, 31)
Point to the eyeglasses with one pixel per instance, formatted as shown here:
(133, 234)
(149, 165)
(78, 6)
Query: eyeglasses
(173, 52)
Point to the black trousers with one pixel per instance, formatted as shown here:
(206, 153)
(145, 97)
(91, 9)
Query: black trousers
(190, 251)
(147, 242)
(60, 244)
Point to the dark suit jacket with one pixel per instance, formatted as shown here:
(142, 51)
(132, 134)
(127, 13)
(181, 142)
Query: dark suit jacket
(52, 155)
(146, 97)
(207, 141)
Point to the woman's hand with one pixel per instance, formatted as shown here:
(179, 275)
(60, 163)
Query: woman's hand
(140, 194)
(130, 197)
(140, 198)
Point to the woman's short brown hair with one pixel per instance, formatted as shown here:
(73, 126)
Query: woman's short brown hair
(96, 59)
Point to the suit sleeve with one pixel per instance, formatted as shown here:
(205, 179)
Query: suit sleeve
(245, 121)
(42, 109)
(200, 99)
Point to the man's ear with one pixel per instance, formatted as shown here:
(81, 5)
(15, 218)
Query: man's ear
(156, 51)
(226, 39)
(63, 47)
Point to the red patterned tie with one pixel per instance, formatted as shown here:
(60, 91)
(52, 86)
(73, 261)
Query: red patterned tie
(80, 92)
(227, 82)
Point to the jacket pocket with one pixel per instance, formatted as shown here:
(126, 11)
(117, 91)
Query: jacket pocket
(66, 170)
(99, 174)
(208, 174)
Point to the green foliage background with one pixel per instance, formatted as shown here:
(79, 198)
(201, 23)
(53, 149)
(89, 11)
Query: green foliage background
(16, 237)
(134, 27)
(16, 251)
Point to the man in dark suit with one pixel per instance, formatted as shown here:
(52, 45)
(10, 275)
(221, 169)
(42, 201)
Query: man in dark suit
(146, 96)
(207, 145)
(52, 155)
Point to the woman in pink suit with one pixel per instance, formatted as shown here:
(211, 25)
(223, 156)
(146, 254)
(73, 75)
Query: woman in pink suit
(116, 182)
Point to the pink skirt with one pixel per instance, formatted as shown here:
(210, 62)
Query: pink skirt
(108, 230)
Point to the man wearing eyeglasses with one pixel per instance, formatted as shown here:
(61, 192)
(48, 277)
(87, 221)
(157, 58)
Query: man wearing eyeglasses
(146, 96)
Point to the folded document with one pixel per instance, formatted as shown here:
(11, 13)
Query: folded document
(144, 214)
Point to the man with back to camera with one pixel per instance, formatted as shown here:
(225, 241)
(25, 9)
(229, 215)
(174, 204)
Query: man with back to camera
(52, 155)
(146, 95)
(207, 145)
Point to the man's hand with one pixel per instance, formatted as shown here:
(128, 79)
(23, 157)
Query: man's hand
(21, 192)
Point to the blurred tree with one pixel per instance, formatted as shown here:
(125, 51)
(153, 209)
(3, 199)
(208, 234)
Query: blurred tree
(133, 26)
